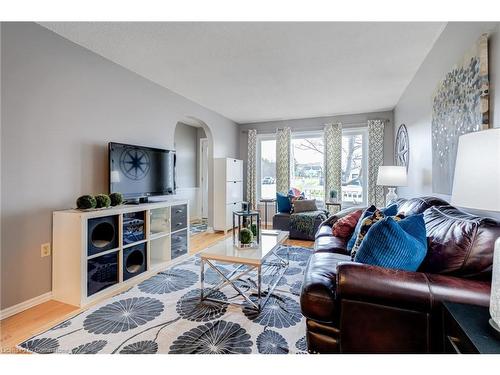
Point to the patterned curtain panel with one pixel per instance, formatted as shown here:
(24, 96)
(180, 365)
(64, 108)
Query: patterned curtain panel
(283, 144)
(375, 160)
(333, 159)
(252, 169)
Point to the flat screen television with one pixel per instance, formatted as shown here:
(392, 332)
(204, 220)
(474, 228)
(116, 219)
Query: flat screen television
(139, 172)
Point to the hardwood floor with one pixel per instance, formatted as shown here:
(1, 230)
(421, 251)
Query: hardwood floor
(22, 326)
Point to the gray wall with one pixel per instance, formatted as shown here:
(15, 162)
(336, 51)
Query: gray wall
(415, 106)
(61, 105)
(318, 123)
(186, 147)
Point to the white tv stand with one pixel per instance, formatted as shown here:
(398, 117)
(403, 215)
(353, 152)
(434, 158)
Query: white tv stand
(97, 253)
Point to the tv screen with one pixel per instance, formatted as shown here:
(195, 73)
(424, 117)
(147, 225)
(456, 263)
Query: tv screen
(137, 171)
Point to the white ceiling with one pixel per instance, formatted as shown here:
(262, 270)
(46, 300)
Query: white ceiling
(258, 71)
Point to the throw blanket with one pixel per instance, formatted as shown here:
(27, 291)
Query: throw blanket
(304, 221)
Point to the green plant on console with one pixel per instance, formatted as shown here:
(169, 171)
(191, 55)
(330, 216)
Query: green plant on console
(246, 236)
(102, 200)
(86, 202)
(116, 198)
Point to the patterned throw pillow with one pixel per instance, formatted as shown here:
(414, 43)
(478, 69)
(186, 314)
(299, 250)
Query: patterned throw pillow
(399, 245)
(388, 211)
(366, 225)
(344, 227)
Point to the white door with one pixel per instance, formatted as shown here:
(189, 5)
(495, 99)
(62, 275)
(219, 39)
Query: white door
(204, 176)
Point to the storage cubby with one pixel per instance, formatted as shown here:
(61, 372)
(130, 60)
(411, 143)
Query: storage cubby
(133, 227)
(159, 251)
(134, 261)
(102, 234)
(159, 221)
(102, 272)
(179, 217)
(97, 253)
(179, 244)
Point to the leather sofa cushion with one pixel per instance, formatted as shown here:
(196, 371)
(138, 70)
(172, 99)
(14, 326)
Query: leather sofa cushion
(331, 244)
(317, 299)
(459, 244)
(418, 205)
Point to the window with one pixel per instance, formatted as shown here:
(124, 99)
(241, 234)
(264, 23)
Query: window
(266, 166)
(307, 173)
(307, 166)
(354, 167)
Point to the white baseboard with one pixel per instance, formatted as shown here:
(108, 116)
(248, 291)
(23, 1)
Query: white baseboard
(9, 311)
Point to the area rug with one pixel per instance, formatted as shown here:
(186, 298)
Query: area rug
(163, 314)
(198, 227)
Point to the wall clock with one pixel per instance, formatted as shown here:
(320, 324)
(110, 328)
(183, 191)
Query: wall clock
(402, 147)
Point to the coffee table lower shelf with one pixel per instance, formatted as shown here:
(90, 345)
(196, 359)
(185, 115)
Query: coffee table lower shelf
(281, 265)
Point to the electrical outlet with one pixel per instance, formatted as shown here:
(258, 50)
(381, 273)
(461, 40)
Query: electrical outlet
(45, 250)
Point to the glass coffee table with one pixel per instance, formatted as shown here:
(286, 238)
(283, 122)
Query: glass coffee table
(246, 260)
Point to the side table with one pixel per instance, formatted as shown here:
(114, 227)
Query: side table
(467, 331)
(266, 201)
(333, 204)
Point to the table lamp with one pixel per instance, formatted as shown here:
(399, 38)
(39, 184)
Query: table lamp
(391, 176)
(476, 185)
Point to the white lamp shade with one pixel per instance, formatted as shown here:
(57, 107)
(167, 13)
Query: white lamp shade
(476, 182)
(391, 175)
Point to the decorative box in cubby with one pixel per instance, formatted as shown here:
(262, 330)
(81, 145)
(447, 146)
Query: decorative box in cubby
(100, 252)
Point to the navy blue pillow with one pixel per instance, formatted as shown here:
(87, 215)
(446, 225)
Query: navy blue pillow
(392, 210)
(395, 244)
(283, 202)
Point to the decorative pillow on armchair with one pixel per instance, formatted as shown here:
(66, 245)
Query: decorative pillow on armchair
(283, 203)
(344, 227)
(395, 244)
(304, 205)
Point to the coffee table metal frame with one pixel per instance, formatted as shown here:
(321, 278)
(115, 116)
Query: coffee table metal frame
(281, 264)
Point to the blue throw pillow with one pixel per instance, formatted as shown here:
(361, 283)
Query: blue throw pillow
(392, 210)
(283, 202)
(395, 244)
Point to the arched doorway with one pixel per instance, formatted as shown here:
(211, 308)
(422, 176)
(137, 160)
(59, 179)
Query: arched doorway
(205, 171)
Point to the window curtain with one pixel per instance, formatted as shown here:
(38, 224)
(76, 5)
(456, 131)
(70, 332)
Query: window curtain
(283, 145)
(333, 159)
(252, 169)
(375, 160)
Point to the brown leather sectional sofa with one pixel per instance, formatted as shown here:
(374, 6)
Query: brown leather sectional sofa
(356, 308)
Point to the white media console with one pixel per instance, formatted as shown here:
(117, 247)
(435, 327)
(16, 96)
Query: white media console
(96, 253)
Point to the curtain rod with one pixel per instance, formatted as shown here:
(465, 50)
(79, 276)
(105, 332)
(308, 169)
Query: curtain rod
(317, 127)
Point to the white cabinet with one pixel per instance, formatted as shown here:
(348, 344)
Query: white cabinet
(234, 191)
(228, 191)
(234, 168)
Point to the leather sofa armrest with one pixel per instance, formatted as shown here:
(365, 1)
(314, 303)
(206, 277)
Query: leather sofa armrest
(383, 286)
(317, 298)
(412, 290)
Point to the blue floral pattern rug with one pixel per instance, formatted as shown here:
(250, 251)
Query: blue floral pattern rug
(198, 227)
(163, 314)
